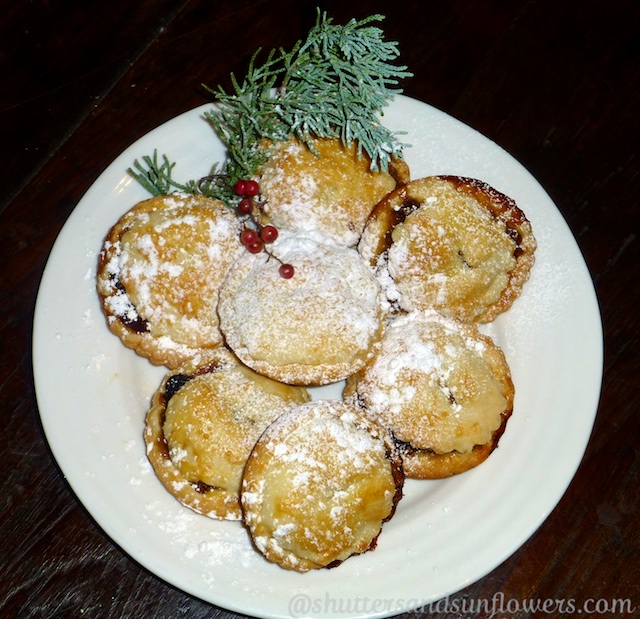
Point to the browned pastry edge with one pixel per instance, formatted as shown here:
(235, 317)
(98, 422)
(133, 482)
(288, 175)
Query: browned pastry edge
(284, 559)
(290, 373)
(394, 455)
(518, 227)
(135, 334)
(393, 209)
(399, 170)
(426, 464)
(197, 496)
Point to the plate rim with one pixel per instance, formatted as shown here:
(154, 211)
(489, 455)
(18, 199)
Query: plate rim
(115, 535)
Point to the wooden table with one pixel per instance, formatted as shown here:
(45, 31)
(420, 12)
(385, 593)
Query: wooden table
(553, 83)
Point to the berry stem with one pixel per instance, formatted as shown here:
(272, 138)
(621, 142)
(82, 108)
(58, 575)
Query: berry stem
(255, 237)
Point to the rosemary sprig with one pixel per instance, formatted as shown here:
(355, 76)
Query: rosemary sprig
(334, 84)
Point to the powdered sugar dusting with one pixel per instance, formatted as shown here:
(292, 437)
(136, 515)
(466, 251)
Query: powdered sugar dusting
(438, 384)
(330, 190)
(431, 384)
(163, 264)
(207, 546)
(326, 468)
(328, 313)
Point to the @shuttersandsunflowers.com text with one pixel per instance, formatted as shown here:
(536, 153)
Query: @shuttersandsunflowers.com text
(496, 607)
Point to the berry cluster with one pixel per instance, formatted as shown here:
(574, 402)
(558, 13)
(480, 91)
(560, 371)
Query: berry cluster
(256, 236)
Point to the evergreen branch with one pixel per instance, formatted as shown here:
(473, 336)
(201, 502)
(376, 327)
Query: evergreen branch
(156, 177)
(334, 84)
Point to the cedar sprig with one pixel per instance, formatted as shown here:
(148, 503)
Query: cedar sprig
(334, 84)
(337, 83)
(157, 176)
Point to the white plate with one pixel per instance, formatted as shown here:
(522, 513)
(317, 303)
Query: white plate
(93, 394)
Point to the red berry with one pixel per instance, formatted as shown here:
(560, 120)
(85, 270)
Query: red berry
(251, 188)
(256, 247)
(240, 188)
(269, 234)
(248, 236)
(245, 206)
(286, 271)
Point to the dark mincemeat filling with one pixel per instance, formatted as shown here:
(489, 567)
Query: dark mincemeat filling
(137, 324)
(408, 206)
(397, 217)
(517, 239)
(172, 385)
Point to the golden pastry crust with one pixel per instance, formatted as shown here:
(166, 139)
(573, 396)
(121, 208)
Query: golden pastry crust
(426, 464)
(442, 388)
(329, 189)
(159, 272)
(319, 485)
(450, 243)
(315, 328)
(201, 427)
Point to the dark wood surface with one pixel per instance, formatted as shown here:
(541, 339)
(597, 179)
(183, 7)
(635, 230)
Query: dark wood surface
(553, 82)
